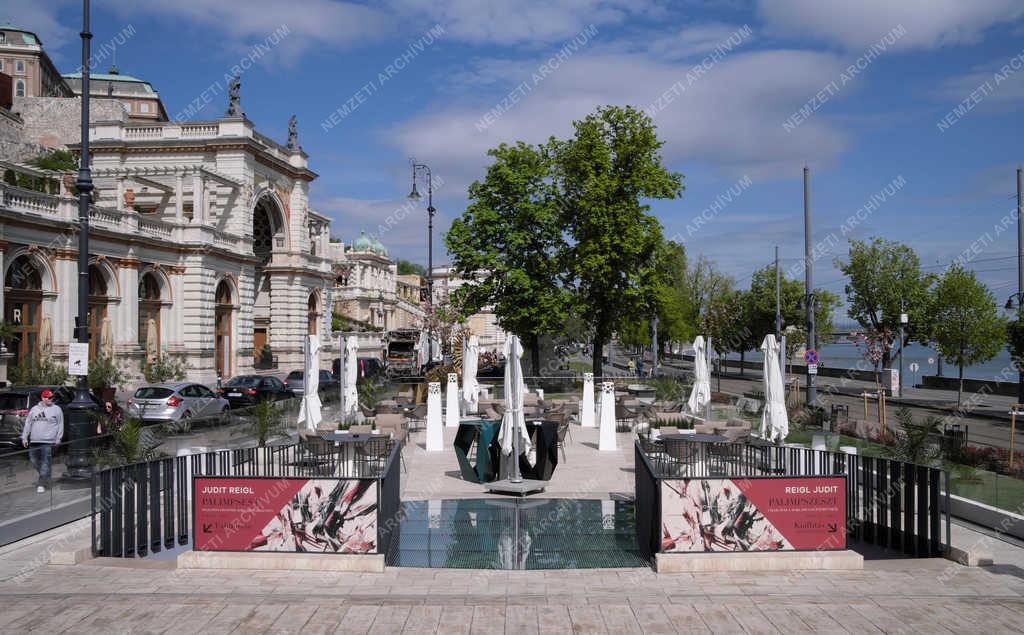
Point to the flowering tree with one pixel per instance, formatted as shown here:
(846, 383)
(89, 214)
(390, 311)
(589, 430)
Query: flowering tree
(874, 346)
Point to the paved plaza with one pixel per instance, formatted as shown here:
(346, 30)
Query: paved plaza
(150, 596)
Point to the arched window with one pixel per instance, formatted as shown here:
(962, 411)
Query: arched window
(98, 299)
(149, 316)
(224, 306)
(19, 88)
(312, 314)
(23, 301)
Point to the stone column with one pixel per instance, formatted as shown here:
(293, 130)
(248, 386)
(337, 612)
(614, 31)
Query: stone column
(198, 199)
(126, 323)
(179, 202)
(435, 433)
(451, 413)
(587, 403)
(607, 441)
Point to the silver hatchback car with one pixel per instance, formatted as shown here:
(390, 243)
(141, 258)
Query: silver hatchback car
(175, 405)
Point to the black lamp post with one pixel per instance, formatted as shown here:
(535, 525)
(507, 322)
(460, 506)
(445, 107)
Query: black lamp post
(81, 418)
(415, 195)
(811, 304)
(1015, 301)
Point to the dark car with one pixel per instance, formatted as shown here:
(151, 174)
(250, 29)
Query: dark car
(246, 390)
(296, 382)
(15, 404)
(366, 367)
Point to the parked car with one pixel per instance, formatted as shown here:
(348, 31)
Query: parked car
(367, 367)
(15, 404)
(245, 390)
(175, 404)
(296, 382)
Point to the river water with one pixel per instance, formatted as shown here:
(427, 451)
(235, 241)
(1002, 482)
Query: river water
(849, 356)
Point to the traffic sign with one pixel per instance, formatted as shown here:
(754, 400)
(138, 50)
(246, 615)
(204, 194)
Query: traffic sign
(78, 359)
(914, 366)
(811, 356)
(931, 360)
(812, 369)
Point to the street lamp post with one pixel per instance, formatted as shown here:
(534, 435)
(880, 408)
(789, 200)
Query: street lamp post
(903, 324)
(415, 195)
(81, 422)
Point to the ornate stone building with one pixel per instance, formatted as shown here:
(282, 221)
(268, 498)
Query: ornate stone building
(202, 245)
(368, 288)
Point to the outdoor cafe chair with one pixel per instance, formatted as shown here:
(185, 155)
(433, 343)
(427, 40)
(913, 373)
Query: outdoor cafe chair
(417, 417)
(392, 424)
(319, 455)
(625, 418)
(372, 454)
(563, 429)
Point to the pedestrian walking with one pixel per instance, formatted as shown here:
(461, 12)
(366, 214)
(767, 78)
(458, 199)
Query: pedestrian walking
(44, 428)
(631, 365)
(111, 419)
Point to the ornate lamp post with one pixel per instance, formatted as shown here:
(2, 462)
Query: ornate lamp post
(81, 422)
(415, 196)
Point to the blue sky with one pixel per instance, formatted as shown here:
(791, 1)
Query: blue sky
(726, 127)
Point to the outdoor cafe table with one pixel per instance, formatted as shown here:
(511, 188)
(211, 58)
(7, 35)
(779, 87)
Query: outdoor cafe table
(347, 442)
(697, 438)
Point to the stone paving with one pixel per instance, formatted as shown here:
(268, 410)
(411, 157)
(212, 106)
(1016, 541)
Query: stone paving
(897, 595)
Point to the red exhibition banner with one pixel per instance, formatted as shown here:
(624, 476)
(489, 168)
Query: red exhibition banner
(284, 514)
(753, 514)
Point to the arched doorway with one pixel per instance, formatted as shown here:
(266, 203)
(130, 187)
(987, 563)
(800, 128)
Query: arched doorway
(312, 314)
(224, 306)
(268, 233)
(149, 316)
(98, 300)
(23, 302)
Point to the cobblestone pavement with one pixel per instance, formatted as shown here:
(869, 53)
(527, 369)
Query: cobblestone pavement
(151, 596)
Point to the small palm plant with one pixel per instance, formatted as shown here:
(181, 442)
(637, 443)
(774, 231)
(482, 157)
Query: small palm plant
(267, 421)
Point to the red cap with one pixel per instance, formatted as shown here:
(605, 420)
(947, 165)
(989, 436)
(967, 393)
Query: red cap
(47, 394)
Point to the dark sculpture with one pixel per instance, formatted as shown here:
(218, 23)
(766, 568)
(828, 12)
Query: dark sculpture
(234, 98)
(293, 134)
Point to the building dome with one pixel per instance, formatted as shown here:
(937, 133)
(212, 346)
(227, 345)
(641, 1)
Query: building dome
(378, 247)
(362, 243)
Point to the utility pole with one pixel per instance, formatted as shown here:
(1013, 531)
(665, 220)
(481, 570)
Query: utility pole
(903, 322)
(778, 297)
(809, 301)
(1020, 273)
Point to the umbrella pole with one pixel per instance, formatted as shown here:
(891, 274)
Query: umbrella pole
(516, 478)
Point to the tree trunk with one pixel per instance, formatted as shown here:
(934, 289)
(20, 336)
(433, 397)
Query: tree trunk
(534, 341)
(742, 359)
(960, 386)
(597, 366)
(886, 358)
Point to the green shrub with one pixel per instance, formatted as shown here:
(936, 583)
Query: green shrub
(37, 372)
(104, 373)
(164, 368)
(129, 444)
(266, 421)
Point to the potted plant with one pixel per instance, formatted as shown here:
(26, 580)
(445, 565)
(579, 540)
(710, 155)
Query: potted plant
(267, 421)
(104, 377)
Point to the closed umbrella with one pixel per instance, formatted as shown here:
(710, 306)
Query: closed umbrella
(470, 362)
(421, 352)
(349, 394)
(46, 338)
(774, 419)
(700, 396)
(514, 420)
(309, 412)
(152, 341)
(107, 339)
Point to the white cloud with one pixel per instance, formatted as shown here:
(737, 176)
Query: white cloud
(399, 224)
(693, 41)
(857, 25)
(41, 19)
(731, 117)
(317, 23)
(521, 22)
(998, 85)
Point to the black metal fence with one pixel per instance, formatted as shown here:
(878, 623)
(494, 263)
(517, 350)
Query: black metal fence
(890, 504)
(145, 507)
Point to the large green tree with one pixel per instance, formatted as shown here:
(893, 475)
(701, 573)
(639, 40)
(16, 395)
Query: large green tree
(603, 175)
(669, 302)
(968, 327)
(885, 279)
(508, 244)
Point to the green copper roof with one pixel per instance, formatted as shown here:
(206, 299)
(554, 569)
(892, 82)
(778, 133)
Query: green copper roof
(106, 77)
(27, 36)
(362, 243)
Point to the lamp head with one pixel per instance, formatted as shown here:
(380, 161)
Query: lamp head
(1009, 303)
(414, 194)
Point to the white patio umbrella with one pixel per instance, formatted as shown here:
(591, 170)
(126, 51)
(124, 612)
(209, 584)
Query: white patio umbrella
(349, 394)
(700, 396)
(774, 419)
(46, 338)
(107, 338)
(514, 420)
(421, 352)
(470, 364)
(310, 409)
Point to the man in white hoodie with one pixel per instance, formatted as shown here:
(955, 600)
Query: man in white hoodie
(44, 428)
